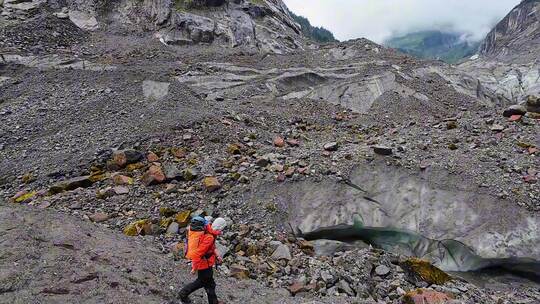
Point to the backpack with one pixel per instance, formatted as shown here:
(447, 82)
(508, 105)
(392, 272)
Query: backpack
(196, 230)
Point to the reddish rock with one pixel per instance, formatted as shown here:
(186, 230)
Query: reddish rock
(515, 117)
(99, 217)
(122, 180)
(280, 178)
(533, 150)
(152, 157)
(531, 179)
(211, 183)
(297, 287)
(126, 157)
(153, 176)
(422, 296)
(279, 142)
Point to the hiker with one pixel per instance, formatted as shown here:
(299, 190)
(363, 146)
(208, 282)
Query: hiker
(201, 250)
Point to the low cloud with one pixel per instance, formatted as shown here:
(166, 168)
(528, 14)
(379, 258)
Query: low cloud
(380, 19)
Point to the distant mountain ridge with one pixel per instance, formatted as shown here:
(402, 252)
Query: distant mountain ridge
(434, 44)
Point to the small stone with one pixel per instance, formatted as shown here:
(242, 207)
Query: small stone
(343, 286)
(514, 118)
(134, 167)
(279, 142)
(179, 152)
(153, 176)
(122, 180)
(167, 211)
(382, 270)
(125, 157)
(450, 125)
(262, 162)
(423, 296)
(183, 218)
(173, 228)
(99, 217)
(239, 272)
(282, 252)
(211, 183)
(172, 172)
(293, 142)
(382, 150)
(140, 227)
(331, 146)
(234, 149)
(190, 174)
(280, 178)
(152, 157)
(496, 128)
(121, 190)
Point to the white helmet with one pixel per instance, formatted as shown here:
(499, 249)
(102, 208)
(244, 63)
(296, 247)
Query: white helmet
(219, 224)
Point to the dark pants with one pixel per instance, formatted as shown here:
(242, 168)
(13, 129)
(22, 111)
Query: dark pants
(205, 279)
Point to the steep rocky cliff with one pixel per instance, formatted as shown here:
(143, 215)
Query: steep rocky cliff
(508, 61)
(517, 36)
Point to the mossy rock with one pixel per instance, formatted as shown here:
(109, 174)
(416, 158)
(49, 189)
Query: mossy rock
(71, 184)
(167, 211)
(134, 167)
(24, 197)
(183, 218)
(140, 227)
(165, 222)
(419, 269)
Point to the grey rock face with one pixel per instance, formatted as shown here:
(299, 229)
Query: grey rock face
(507, 63)
(266, 26)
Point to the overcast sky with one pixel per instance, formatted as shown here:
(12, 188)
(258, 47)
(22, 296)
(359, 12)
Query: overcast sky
(380, 19)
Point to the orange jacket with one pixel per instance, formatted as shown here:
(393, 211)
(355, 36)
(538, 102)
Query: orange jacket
(205, 256)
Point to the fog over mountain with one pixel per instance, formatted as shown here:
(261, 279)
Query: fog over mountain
(380, 19)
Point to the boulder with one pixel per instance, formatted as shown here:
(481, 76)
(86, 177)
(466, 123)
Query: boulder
(515, 110)
(423, 296)
(331, 146)
(421, 270)
(71, 184)
(211, 183)
(123, 158)
(140, 227)
(382, 150)
(153, 176)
